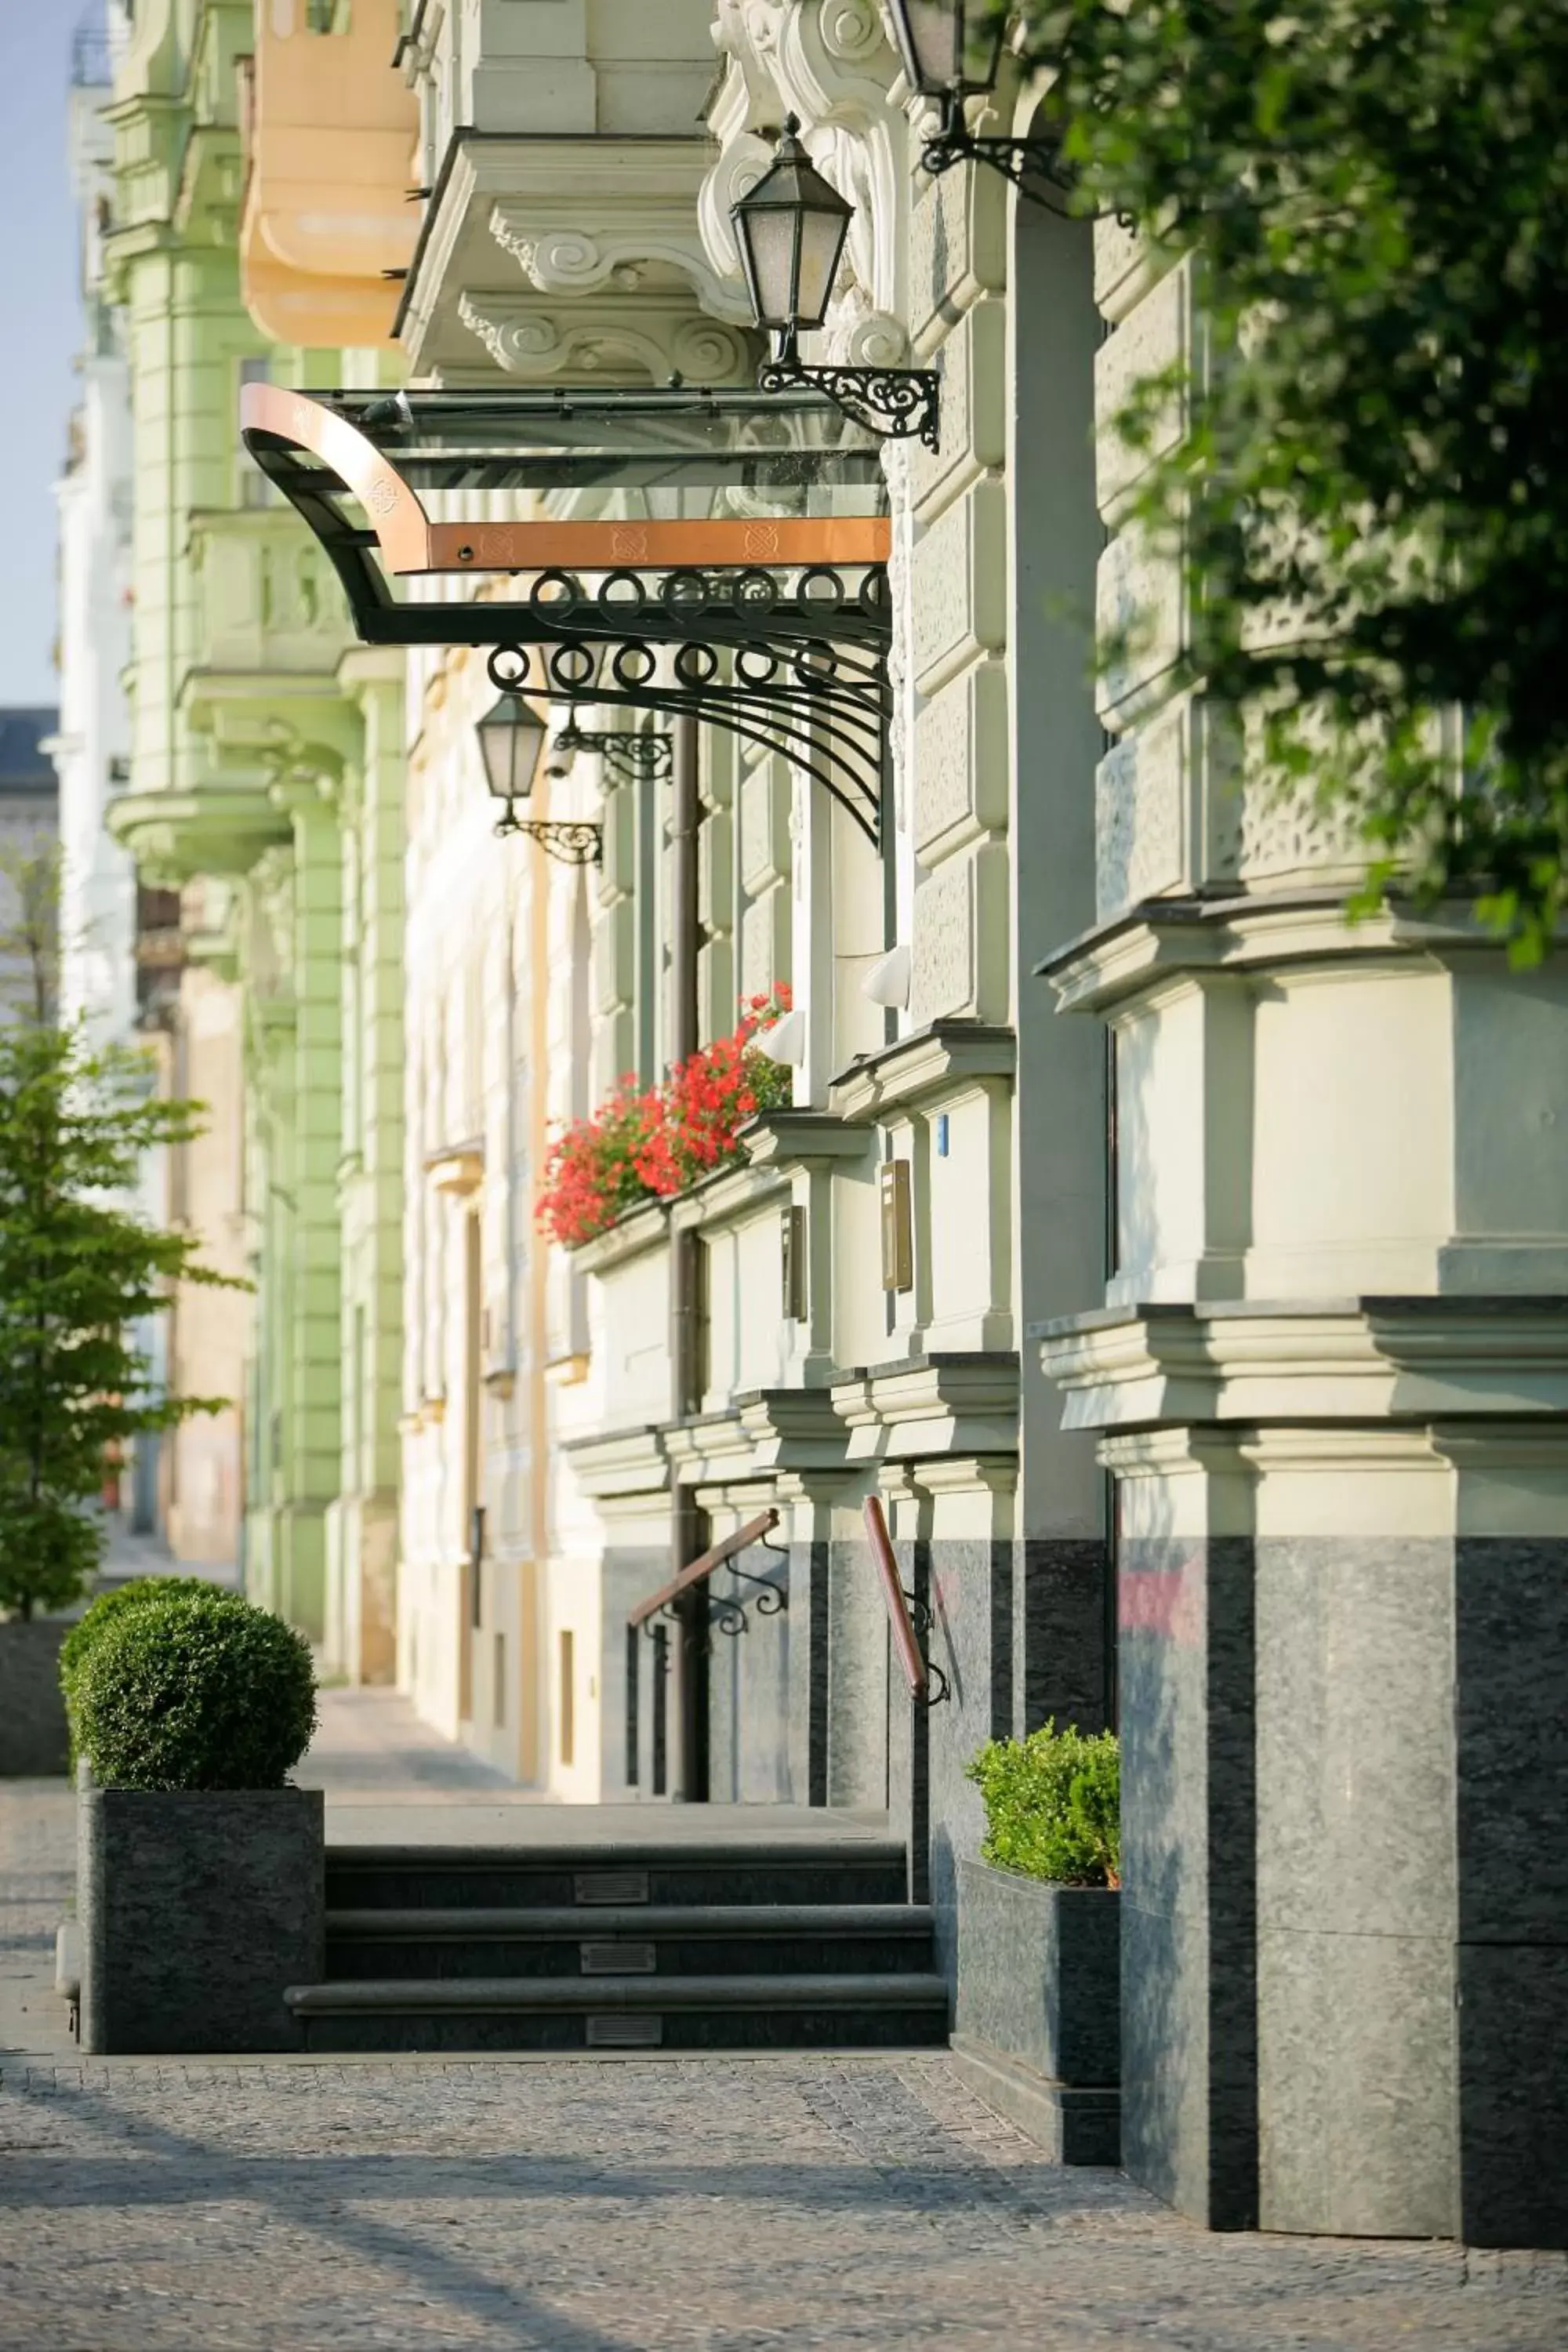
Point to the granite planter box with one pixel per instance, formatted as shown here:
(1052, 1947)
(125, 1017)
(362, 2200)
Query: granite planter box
(1038, 2026)
(197, 1909)
(34, 1743)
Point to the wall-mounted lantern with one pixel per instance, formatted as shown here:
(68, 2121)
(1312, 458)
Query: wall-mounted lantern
(511, 738)
(790, 229)
(952, 50)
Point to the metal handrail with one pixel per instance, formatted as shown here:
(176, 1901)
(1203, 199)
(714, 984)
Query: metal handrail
(702, 1567)
(917, 1672)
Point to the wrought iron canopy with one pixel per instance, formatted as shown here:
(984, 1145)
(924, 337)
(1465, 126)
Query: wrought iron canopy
(720, 555)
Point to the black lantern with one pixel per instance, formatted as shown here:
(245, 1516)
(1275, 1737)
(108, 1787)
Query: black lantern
(951, 50)
(945, 56)
(790, 230)
(511, 738)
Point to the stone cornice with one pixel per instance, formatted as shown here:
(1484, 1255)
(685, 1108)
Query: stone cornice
(644, 1228)
(1168, 940)
(731, 1196)
(784, 1140)
(932, 1062)
(1364, 1359)
(762, 1434)
(945, 1405)
(182, 834)
(619, 1464)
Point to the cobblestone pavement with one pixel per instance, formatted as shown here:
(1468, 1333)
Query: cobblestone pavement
(619, 2205)
(630, 2206)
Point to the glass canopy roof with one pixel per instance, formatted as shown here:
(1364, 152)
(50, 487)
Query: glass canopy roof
(659, 515)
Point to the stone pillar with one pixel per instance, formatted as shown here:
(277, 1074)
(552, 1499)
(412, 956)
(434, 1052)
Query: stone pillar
(1343, 1597)
(315, 1147)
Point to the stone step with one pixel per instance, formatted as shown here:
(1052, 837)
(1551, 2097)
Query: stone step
(663, 1939)
(618, 1877)
(617, 2012)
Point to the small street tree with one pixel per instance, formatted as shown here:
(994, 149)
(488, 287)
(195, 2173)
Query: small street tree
(77, 1271)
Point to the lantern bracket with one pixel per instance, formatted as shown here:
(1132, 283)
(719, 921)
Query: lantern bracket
(1034, 166)
(563, 838)
(896, 403)
(630, 755)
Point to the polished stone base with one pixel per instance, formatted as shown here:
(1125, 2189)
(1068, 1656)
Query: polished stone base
(1073, 2126)
(1345, 1919)
(198, 1912)
(34, 1742)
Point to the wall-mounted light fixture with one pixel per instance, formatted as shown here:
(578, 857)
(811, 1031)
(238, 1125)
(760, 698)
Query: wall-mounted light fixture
(790, 229)
(952, 50)
(511, 737)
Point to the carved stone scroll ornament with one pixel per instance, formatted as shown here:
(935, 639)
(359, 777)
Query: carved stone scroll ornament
(611, 340)
(637, 247)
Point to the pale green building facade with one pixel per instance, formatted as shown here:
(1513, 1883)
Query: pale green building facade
(266, 784)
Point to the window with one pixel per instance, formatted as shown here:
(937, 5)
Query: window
(322, 16)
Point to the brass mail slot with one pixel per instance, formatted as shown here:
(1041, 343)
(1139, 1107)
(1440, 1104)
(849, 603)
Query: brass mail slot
(897, 1227)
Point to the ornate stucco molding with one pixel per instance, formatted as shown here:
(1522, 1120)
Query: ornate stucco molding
(605, 338)
(635, 245)
(828, 62)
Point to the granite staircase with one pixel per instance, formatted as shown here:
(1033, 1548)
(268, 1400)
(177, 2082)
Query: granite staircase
(799, 1945)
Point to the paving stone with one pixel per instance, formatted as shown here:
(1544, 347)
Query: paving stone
(625, 2204)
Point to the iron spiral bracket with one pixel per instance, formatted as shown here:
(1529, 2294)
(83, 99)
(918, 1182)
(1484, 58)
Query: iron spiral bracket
(804, 676)
(570, 843)
(897, 403)
(630, 755)
(938, 1688)
(1034, 166)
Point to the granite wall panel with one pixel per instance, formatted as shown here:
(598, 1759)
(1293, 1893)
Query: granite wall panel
(748, 1687)
(1510, 1686)
(970, 1585)
(1189, 1947)
(627, 1574)
(1062, 1628)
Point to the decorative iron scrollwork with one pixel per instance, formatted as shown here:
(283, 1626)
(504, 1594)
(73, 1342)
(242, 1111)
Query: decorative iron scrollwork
(569, 842)
(897, 403)
(925, 1622)
(796, 665)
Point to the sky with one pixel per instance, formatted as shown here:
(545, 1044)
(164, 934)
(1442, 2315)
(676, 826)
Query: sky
(43, 331)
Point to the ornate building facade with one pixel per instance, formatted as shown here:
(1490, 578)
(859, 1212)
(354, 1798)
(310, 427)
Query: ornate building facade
(1166, 1264)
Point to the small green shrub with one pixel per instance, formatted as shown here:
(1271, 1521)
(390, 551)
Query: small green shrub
(1053, 1805)
(106, 1611)
(199, 1690)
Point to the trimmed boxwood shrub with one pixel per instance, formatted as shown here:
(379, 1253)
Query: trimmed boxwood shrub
(194, 1690)
(1053, 1805)
(106, 1611)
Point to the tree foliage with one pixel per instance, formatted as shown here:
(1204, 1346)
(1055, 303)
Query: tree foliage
(76, 1273)
(1372, 493)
